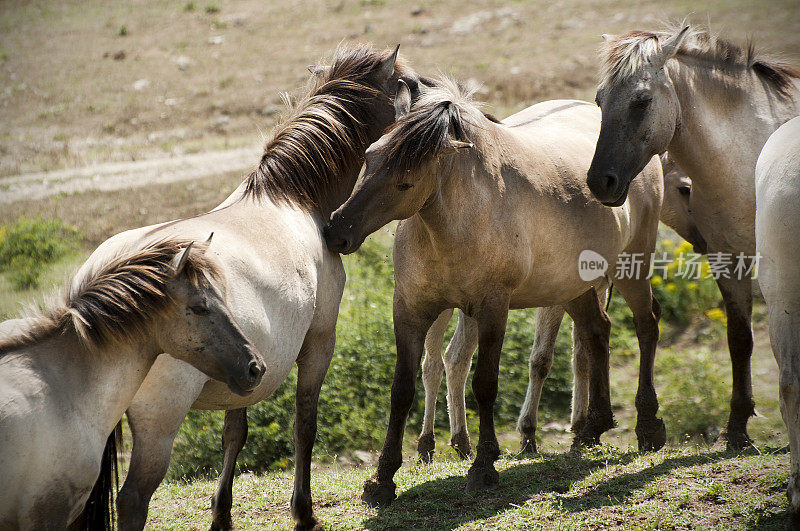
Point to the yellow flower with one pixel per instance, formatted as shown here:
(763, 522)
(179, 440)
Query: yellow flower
(693, 286)
(657, 280)
(685, 248)
(671, 287)
(716, 314)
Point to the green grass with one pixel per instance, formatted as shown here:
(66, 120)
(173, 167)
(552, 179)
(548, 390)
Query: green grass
(606, 488)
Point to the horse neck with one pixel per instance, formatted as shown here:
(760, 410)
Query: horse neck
(341, 190)
(470, 190)
(722, 130)
(99, 385)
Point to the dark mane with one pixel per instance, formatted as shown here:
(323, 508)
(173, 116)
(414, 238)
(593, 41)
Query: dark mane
(624, 54)
(304, 161)
(426, 130)
(116, 301)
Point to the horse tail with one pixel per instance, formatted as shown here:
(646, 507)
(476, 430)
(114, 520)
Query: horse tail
(99, 510)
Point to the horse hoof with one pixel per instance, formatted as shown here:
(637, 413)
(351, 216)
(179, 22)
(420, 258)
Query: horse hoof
(581, 442)
(425, 446)
(651, 434)
(733, 440)
(528, 448)
(794, 522)
(218, 525)
(378, 494)
(312, 524)
(480, 479)
(460, 442)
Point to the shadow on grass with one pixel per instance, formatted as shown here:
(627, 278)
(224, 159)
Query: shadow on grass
(615, 491)
(772, 522)
(443, 504)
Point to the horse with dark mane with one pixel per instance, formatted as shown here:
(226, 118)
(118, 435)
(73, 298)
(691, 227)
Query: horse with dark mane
(68, 372)
(712, 104)
(497, 216)
(283, 283)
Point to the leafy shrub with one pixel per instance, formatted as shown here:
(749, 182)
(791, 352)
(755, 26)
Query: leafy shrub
(28, 244)
(694, 387)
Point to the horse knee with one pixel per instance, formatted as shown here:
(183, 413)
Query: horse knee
(789, 388)
(540, 364)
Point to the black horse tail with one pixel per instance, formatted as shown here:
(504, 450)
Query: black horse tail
(99, 510)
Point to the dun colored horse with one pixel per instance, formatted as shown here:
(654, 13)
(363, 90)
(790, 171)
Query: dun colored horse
(496, 217)
(712, 104)
(283, 284)
(457, 358)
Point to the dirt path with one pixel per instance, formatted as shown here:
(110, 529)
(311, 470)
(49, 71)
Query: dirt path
(125, 175)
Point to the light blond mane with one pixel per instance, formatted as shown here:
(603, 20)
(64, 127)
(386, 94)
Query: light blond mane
(624, 55)
(116, 302)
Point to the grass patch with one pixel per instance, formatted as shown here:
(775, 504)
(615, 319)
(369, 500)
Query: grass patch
(605, 488)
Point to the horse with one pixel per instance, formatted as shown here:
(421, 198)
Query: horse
(675, 212)
(68, 372)
(777, 226)
(712, 104)
(283, 284)
(479, 200)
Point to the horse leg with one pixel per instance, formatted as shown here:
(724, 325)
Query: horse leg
(581, 375)
(650, 431)
(548, 321)
(154, 416)
(410, 329)
(581, 364)
(492, 318)
(738, 298)
(591, 333)
(312, 365)
(457, 359)
(784, 332)
(432, 370)
(234, 435)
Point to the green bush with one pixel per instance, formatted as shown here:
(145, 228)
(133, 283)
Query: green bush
(29, 244)
(694, 387)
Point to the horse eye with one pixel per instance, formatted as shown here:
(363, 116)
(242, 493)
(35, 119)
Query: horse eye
(684, 190)
(404, 186)
(642, 100)
(199, 310)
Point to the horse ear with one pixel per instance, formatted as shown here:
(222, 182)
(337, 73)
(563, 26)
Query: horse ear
(457, 145)
(319, 70)
(606, 37)
(386, 67)
(669, 48)
(402, 100)
(208, 241)
(179, 262)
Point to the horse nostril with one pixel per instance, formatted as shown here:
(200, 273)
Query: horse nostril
(339, 245)
(611, 181)
(256, 371)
